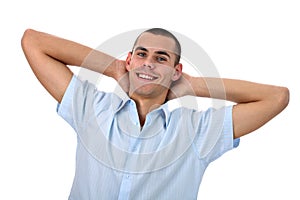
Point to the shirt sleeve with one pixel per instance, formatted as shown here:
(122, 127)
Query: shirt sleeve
(83, 105)
(64, 109)
(214, 133)
(77, 102)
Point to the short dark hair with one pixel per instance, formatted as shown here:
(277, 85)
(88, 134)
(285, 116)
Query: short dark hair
(166, 33)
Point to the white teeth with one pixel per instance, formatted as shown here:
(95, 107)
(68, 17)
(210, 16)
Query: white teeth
(144, 76)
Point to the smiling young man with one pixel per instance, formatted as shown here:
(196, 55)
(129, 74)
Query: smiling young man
(153, 66)
(135, 147)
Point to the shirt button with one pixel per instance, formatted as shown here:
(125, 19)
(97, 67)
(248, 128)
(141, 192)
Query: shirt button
(127, 176)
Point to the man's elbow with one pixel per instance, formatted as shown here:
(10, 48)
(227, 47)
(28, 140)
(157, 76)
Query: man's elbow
(26, 40)
(283, 97)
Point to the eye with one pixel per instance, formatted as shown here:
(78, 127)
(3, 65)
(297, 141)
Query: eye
(141, 54)
(161, 59)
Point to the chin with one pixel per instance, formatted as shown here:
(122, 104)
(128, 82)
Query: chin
(151, 92)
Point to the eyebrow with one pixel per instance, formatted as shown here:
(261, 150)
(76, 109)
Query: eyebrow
(163, 53)
(158, 52)
(140, 48)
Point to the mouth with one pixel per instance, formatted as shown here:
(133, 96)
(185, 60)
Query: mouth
(146, 76)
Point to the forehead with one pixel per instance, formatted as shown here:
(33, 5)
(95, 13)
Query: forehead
(157, 42)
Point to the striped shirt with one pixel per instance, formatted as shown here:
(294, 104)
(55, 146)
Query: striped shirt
(116, 158)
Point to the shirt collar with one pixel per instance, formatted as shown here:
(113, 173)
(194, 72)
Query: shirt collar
(163, 110)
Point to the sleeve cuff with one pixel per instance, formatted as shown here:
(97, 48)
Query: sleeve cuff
(64, 108)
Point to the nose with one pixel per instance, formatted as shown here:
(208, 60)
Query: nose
(149, 63)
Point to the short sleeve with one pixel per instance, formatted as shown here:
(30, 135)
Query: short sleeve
(214, 133)
(84, 105)
(78, 102)
(64, 109)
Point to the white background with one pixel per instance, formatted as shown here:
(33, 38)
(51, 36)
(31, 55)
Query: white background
(256, 40)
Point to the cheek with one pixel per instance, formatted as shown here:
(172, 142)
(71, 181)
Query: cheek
(168, 71)
(168, 77)
(132, 65)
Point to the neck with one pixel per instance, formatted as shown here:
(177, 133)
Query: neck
(146, 105)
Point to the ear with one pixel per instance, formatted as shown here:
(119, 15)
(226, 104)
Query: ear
(178, 72)
(128, 60)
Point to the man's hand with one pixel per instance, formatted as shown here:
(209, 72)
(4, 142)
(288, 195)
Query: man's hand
(49, 57)
(121, 74)
(256, 103)
(181, 87)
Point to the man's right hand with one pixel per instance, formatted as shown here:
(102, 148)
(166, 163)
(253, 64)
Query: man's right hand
(121, 74)
(49, 56)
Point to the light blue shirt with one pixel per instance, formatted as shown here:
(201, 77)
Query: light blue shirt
(118, 159)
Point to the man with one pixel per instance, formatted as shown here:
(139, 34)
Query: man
(135, 147)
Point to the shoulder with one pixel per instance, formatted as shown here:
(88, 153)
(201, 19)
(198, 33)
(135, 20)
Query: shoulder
(199, 117)
(83, 92)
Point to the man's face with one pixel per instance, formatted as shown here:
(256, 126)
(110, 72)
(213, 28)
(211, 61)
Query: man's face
(151, 65)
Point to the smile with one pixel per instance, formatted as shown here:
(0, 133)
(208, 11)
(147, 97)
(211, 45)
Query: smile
(146, 76)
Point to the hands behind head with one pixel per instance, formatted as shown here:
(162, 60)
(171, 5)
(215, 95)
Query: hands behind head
(181, 87)
(121, 74)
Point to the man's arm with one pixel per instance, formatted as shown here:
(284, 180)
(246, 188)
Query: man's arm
(48, 56)
(256, 103)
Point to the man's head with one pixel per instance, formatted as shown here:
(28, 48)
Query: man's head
(153, 63)
(163, 32)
